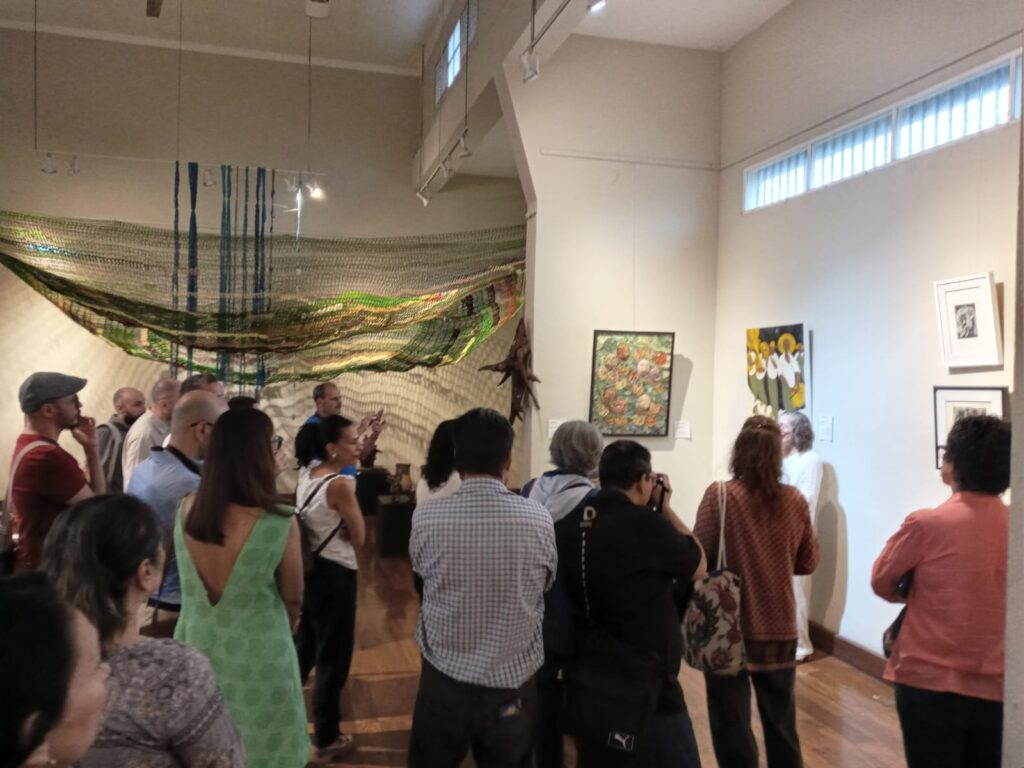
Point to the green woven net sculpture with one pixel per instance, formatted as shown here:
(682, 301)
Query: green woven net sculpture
(289, 309)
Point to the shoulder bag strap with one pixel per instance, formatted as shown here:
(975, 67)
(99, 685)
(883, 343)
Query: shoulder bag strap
(723, 497)
(7, 514)
(320, 547)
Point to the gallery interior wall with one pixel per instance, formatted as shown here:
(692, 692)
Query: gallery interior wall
(619, 138)
(102, 98)
(856, 261)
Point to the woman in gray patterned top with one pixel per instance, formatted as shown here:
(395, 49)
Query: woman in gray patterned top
(164, 708)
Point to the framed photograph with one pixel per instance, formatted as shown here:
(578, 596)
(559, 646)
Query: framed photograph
(952, 403)
(631, 383)
(969, 328)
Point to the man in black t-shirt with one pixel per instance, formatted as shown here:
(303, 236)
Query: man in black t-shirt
(640, 560)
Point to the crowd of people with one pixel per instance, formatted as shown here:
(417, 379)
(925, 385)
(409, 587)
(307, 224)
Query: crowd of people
(168, 608)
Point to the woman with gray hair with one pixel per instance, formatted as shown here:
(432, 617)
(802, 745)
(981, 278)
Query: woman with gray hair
(801, 467)
(575, 451)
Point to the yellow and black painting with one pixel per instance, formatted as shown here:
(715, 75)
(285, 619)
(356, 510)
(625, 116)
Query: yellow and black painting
(776, 369)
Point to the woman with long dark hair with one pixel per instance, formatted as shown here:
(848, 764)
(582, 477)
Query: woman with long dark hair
(106, 557)
(335, 527)
(438, 477)
(240, 562)
(53, 682)
(768, 539)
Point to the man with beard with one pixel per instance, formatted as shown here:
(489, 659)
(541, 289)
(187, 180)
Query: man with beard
(166, 477)
(44, 478)
(129, 404)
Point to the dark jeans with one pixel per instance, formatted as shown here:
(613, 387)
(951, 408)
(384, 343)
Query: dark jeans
(326, 640)
(668, 743)
(948, 730)
(729, 713)
(451, 717)
(550, 714)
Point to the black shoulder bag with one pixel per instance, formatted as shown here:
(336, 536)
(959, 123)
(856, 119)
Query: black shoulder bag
(612, 687)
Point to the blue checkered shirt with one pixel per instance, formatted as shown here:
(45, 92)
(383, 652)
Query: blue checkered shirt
(486, 557)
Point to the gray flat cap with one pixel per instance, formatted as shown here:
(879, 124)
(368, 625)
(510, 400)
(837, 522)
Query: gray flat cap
(44, 386)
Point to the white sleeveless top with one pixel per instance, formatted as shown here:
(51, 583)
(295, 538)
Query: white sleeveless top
(320, 519)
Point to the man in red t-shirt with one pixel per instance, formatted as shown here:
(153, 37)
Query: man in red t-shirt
(47, 479)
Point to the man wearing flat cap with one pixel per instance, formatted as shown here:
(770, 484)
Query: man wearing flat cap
(44, 478)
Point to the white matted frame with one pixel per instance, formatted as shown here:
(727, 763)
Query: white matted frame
(952, 403)
(969, 329)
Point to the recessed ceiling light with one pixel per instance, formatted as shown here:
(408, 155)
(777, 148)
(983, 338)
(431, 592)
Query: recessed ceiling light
(596, 6)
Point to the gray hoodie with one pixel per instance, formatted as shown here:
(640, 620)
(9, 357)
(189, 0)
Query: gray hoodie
(559, 493)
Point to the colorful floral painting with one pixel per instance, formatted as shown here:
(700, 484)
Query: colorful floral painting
(776, 369)
(631, 380)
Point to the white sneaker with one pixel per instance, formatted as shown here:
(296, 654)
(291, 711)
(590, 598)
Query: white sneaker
(342, 745)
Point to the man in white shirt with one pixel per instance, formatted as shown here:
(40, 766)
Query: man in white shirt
(803, 468)
(151, 428)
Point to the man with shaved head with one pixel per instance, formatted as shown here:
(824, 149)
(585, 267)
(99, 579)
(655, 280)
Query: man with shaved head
(129, 405)
(166, 477)
(151, 428)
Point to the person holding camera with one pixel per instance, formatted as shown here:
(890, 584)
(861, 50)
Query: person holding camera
(628, 563)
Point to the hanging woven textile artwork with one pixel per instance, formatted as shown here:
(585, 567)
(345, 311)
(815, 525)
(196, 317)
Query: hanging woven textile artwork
(255, 306)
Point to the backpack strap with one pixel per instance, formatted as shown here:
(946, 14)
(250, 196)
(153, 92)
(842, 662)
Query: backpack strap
(7, 513)
(723, 497)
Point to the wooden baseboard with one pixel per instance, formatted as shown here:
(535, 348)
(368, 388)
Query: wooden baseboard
(855, 655)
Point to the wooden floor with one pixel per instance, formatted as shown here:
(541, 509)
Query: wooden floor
(845, 718)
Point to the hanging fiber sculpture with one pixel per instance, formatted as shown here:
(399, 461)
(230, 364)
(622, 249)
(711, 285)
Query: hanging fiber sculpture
(318, 307)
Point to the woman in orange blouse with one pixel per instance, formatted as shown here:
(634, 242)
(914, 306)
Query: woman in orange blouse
(947, 662)
(768, 539)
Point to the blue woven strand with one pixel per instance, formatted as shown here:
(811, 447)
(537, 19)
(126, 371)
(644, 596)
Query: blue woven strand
(256, 243)
(270, 261)
(177, 262)
(245, 245)
(263, 243)
(192, 303)
(225, 260)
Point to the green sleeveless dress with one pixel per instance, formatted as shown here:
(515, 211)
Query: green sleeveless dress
(248, 640)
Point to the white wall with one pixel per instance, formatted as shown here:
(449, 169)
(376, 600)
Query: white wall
(106, 98)
(856, 262)
(619, 243)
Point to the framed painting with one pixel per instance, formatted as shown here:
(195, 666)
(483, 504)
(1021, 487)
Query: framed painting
(631, 383)
(952, 403)
(969, 329)
(777, 364)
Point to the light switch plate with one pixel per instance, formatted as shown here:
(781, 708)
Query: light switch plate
(554, 424)
(824, 427)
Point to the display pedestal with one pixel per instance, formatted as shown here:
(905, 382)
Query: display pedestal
(394, 524)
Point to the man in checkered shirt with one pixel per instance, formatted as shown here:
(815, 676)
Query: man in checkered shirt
(486, 557)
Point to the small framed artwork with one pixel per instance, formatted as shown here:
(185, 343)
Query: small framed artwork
(969, 327)
(952, 403)
(631, 383)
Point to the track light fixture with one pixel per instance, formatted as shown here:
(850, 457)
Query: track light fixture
(596, 6)
(49, 168)
(424, 197)
(531, 65)
(208, 178)
(463, 151)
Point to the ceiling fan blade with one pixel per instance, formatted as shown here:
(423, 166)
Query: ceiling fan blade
(153, 8)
